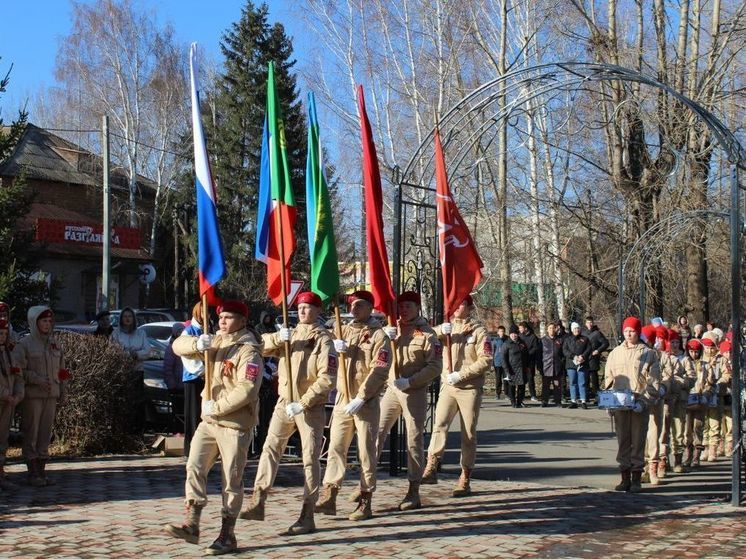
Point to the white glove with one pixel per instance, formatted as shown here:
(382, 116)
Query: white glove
(340, 346)
(204, 342)
(390, 331)
(662, 390)
(454, 377)
(285, 334)
(293, 409)
(638, 408)
(446, 328)
(401, 383)
(208, 407)
(354, 406)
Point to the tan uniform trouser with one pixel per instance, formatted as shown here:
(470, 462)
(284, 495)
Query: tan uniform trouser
(344, 426)
(678, 427)
(465, 402)
(412, 406)
(6, 417)
(37, 419)
(630, 434)
(664, 437)
(712, 426)
(726, 426)
(232, 446)
(655, 421)
(695, 424)
(310, 426)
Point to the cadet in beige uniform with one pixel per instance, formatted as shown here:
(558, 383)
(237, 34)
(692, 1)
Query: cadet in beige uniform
(11, 393)
(314, 372)
(725, 389)
(229, 414)
(461, 392)
(367, 351)
(632, 366)
(39, 356)
(674, 410)
(713, 414)
(419, 360)
(697, 371)
(654, 452)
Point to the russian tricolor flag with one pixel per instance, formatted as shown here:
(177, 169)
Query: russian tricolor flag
(210, 246)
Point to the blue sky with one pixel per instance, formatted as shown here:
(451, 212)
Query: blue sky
(32, 29)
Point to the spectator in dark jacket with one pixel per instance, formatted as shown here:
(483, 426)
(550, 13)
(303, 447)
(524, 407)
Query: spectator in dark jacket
(533, 346)
(515, 362)
(553, 366)
(173, 368)
(497, 361)
(577, 350)
(103, 325)
(599, 344)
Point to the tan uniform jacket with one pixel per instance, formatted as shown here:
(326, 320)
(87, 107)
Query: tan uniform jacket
(635, 368)
(471, 352)
(679, 381)
(236, 377)
(419, 354)
(701, 378)
(667, 364)
(368, 359)
(312, 360)
(724, 375)
(40, 357)
(11, 383)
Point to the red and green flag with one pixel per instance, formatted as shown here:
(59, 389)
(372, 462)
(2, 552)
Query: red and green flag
(321, 246)
(275, 220)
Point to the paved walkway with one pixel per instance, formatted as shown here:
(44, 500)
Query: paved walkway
(116, 506)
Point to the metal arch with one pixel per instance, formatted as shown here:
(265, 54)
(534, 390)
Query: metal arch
(643, 245)
(550, 77)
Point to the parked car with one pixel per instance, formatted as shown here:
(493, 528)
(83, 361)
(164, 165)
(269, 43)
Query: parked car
(164, 408)
(143, 316)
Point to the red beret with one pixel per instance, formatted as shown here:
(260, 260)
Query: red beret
(648, 333)
(694, 344)
(632, 322)
(411, 296)
(673, 335)
(707, 342)
(308, 297)
(357, 295)
(4, 307)
(45, 314)
(3, 324)
(234, 306)
(725, 346)
(661, 333)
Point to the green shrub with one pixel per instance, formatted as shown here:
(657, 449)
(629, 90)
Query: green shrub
(100, 413)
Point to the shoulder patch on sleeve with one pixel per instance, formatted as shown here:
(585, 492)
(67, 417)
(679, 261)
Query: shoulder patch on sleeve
(252, 372)
(382, 359)
(331, 363)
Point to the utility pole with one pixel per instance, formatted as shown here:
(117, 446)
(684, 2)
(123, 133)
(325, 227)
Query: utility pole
(106, 272)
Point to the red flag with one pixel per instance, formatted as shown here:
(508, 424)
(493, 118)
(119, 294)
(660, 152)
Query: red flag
(378, 260)
(459, 260)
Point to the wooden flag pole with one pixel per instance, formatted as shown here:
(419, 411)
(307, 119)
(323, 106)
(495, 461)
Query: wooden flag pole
(394, 362)
(288, 368)
(342, 360)
(208, 361)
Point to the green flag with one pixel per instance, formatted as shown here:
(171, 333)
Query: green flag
(321, 246)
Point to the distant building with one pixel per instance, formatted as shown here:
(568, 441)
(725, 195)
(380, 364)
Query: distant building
(67, 216)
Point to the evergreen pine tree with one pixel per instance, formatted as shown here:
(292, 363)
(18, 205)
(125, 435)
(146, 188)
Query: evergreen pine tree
(20, 287)
(235, 139)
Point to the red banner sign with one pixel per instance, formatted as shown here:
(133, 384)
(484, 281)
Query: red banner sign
(75, 232)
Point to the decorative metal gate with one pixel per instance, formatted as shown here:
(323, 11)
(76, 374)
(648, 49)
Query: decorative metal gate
(472, 125)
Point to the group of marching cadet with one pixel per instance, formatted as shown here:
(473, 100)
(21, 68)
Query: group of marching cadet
(380, 373)
(682, 398)
(679, 406)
